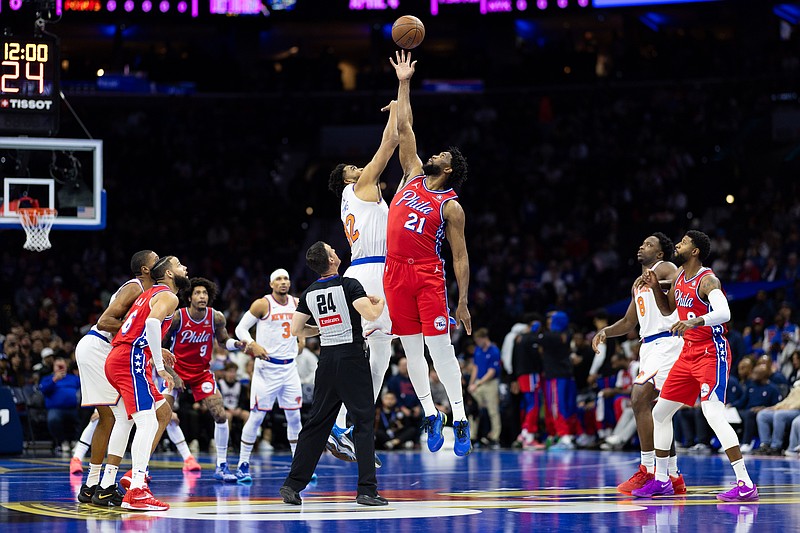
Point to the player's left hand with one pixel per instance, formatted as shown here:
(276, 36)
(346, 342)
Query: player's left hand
(168, 357)
(404, 67)
(167, 377)
(682, 326)
(463, 316)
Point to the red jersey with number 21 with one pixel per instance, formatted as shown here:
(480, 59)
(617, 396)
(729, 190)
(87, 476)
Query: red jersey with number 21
(416, 221)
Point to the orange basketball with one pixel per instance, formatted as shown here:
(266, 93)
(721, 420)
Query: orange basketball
(408, 32)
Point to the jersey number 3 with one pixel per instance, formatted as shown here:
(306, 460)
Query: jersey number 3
(415, 223)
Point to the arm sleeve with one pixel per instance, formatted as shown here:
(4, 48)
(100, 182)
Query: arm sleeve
(243, 327)
(599, 358)
(720, 312)
(152, 328)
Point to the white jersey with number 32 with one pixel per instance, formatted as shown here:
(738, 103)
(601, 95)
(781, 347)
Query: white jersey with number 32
(364, 224)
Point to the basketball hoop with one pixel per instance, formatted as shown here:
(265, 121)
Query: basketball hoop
(37, 221)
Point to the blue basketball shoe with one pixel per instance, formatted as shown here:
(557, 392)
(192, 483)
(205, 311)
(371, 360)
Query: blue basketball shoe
(243, 473)
(463, 445)
(222, 473)
(432, 425)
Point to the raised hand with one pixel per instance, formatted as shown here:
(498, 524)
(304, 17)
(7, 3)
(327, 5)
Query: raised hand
(404, 67)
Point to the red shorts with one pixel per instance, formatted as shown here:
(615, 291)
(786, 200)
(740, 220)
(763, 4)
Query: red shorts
(417, 296)
(529, 382)
(701, 370)
(128, 370)
(201, 383)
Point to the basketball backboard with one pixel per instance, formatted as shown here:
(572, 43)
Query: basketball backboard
(65, 174)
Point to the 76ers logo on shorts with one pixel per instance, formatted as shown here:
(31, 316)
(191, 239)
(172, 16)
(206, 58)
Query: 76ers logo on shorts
(704, 390)
(440, 323)
(207, 387)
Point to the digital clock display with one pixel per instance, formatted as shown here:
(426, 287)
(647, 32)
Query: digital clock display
(29, 89)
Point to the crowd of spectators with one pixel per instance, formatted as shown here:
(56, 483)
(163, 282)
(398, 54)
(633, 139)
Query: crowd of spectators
(564, 183)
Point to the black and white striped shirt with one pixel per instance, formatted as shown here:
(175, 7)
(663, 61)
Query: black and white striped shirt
(329, 301)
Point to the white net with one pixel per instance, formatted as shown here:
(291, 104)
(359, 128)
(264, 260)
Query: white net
(37, 222)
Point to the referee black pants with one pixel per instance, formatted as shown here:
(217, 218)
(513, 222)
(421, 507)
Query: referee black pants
(343, 376)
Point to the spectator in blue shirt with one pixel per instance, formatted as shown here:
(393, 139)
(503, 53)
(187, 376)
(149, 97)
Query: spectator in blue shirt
(759, 394)
(484, 384)
(61, 399)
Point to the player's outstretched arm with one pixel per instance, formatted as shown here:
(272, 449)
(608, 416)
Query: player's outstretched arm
(454, 229)
(623, 326)
(368, 179)
(409, 160)
(114, 315)
(221, 333)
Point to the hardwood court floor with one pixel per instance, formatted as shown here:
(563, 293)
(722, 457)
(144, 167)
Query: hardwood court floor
(488, 491)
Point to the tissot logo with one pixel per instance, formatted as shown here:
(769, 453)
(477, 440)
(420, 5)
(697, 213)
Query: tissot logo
(17, 103)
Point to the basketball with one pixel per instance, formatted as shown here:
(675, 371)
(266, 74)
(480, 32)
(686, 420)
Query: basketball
(408, 32)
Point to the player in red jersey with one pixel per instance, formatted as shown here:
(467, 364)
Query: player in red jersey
(424, 210)
(702, 368)
(128, 370)
(192, 335)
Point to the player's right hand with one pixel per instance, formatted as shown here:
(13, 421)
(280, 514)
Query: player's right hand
(598, 339)
(168, 357)
(167, 377)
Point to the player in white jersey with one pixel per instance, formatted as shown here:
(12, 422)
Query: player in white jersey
(275, 374)
(364, 216)
(658, 352)
(91, 353)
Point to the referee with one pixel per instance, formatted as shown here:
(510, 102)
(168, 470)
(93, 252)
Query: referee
(343, 375)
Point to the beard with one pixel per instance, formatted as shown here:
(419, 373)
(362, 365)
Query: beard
(679, 259)
(431, 169)
(182, 283)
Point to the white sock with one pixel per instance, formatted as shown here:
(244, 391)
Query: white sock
(178, 439)
(649, 461)
(221, 440)
(82, 446)
(741, 472)
(418, 371)
(672, 469)
(293, 446)
(341, 418)
(293, 426)
(662, 467)
(146, 429)
(109, 476)
(446, 365)
(249, 435)
(94, 474)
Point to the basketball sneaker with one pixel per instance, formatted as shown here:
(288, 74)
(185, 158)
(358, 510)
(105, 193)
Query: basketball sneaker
(191, 464)
(340, 445)
(125, 481)
(107, 497)
(75, 466)
(678, 484)
(223, 474)
(141, 499)
(739, 493)
(432, 425)
(243, 473)
(654, 487)
(463, 445)
(636, 481)
(86, 493)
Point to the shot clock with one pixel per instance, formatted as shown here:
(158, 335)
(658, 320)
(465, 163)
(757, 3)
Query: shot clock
(29, 89)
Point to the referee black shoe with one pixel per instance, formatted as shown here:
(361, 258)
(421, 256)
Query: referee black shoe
(290, 495)
(86, 493)
(107, 497)
(374, 501)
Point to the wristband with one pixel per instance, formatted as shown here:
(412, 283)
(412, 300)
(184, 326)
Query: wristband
(230, 345)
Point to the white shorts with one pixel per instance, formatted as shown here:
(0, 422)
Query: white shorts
(275, 382)
(656, 359)
(370, 275)
(91, 353)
